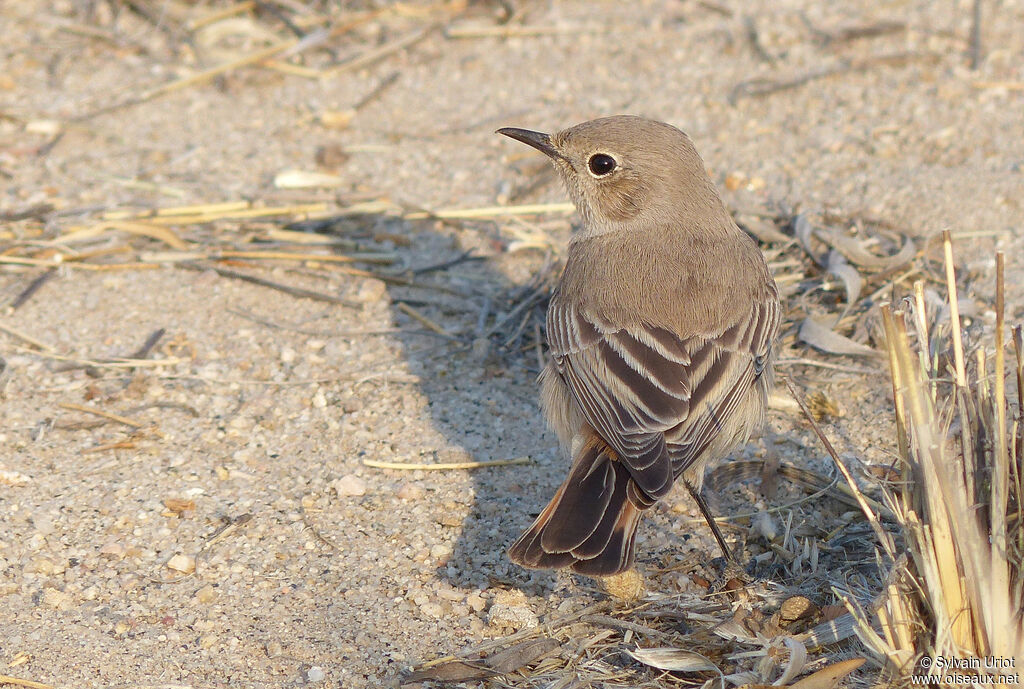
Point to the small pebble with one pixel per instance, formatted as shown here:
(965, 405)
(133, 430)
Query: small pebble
(370, 291)
(40, 565)
(206, 594)
(449, 594)
(511, 611)
(432, 609)
(449, 519)
(330, 155)
(179, 506)
(315, 674)
(43, 523)
(58, 599)
(797, 608)
(476, 602)
(349, 485)
(182, 563)
(241, 423)
(409, 491)
(480, 349)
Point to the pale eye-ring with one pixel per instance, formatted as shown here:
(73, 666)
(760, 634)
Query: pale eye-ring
(601, 164)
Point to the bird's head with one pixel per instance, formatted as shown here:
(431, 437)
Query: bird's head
(627, 172)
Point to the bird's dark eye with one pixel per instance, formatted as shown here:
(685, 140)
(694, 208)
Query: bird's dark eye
(601, 164)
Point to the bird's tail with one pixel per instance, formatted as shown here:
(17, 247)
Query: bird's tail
(590, 524)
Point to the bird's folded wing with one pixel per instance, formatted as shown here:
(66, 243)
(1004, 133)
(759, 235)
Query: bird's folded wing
(637, 385)
(722, 370)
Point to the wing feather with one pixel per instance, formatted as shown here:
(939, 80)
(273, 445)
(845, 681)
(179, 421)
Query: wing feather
(659, 399)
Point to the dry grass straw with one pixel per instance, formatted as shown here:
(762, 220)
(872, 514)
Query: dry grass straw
(18, 682)
(958, 592)
(445, 466)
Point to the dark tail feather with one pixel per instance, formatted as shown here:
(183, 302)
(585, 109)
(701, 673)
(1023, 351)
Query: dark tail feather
(528, 552)
(617, 556)
(590, 524)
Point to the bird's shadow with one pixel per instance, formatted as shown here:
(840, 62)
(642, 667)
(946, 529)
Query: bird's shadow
(482, 394)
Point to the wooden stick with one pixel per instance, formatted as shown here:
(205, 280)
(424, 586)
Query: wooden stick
(200, 219)
(200, 209)
(294, 70)
(113, 363)
(138, 228)
(147, 346)
(510, 30)
(27, 261)
(118, 445)
(7, 679)
(1008, 85)
(218, 15)
(797, 361)
(25, 337)
(32, 288)
(410, 311)
(99, 412)
(263, 282)
(72, 262)
(293, 256)
(101, 267)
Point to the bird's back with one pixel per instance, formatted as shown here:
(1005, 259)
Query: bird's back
(691, 283)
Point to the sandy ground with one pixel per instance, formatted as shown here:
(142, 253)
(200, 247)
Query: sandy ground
(310, 567)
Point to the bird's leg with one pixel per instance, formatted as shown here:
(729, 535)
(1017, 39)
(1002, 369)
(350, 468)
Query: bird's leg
(706, 511)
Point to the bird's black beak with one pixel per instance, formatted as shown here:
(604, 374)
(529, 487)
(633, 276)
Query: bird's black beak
(539, 140)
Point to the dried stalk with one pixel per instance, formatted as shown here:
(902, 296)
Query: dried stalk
(958, 595)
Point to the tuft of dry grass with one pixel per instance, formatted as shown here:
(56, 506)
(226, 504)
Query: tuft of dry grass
(956, 593)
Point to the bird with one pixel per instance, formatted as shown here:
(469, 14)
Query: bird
(661, 338)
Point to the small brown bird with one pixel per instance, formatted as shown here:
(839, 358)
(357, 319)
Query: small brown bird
(661, 335)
